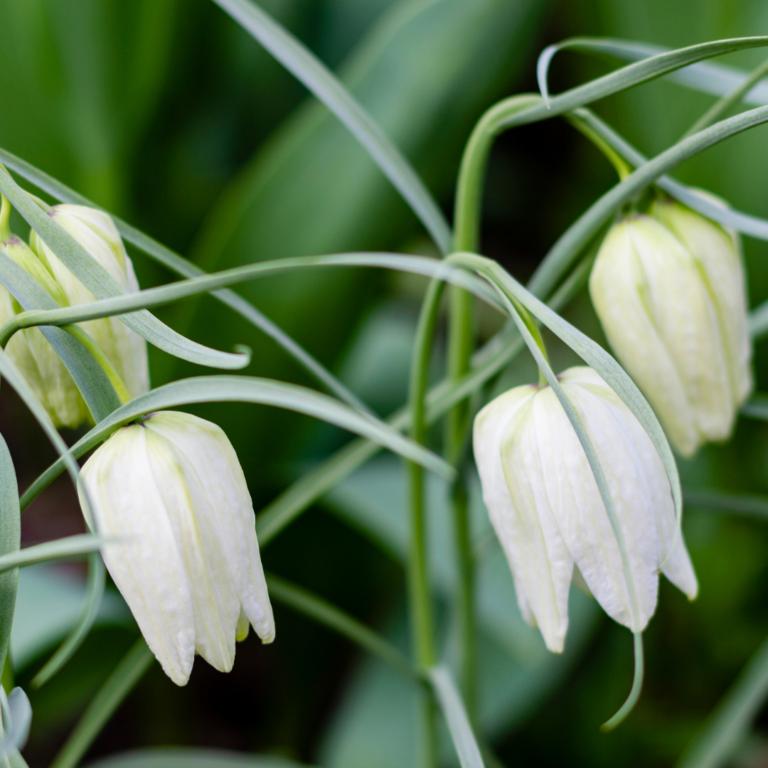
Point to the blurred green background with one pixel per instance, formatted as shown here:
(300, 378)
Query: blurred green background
(167, 113)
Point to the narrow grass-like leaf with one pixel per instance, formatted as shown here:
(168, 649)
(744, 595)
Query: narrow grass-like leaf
(67, 548)
(89, 377)
(464, 741)
(10, 539)
(246, 389)
(102, 285)
(729, 724)
(153, 297)
(707, 77)
(179, 265)
(117, 686)
(728, 217)
(297, 59)
(626, 77)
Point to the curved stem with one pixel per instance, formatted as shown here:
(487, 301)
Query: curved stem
(634, 692)
(623, 168)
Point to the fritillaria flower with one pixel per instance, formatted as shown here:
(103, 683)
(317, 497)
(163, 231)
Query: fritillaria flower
(170, 497)
(668, 287)
(549, 516)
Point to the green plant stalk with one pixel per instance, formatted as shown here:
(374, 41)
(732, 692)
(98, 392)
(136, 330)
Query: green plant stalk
(469, 194)
(420, 598)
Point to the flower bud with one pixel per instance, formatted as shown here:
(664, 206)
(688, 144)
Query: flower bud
(170, 496)
(549, 517)
(95, 231)
(669, 290)
(33, 355)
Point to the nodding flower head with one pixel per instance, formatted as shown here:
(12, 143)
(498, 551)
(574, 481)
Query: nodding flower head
(549, 516)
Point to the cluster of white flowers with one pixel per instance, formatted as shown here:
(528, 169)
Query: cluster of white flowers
(168, 491)
(668, 287)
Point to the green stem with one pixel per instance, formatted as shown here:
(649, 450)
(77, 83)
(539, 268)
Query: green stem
(420, 599)
(103, 361)
(623, 168)
(724, 104)
(117, 686)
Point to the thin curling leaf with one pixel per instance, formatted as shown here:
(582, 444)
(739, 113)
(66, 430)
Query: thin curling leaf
(320, 80)
(67, 548)
(179, 265)
(152, 297)
(89, 377)
(97, 280)
(706, 77)
(246, 389)
(10, 540)
(464, 741)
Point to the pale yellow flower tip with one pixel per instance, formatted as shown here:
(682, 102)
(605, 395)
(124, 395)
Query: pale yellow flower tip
(548, 514)
(171, 493)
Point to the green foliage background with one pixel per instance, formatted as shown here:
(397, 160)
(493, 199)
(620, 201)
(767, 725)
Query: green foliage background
(165, 112)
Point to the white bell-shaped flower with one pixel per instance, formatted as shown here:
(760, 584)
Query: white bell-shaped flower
(170, 495)
(548, 514)
(669, 289)
(95, 231)
(33, 355)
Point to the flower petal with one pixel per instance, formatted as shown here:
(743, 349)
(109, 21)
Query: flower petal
(143, 560)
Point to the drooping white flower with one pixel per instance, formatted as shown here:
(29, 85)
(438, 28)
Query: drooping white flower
(33, 355)
(95, 231)
(547, 512)
(669, 290)
(171, 493)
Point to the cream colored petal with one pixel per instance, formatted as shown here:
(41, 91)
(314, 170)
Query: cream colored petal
(688, 322)
(514, 493)
(718, 251)
(214, 601)
(620, 294)
(224, 510)
(144, 560)
(629, 594)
